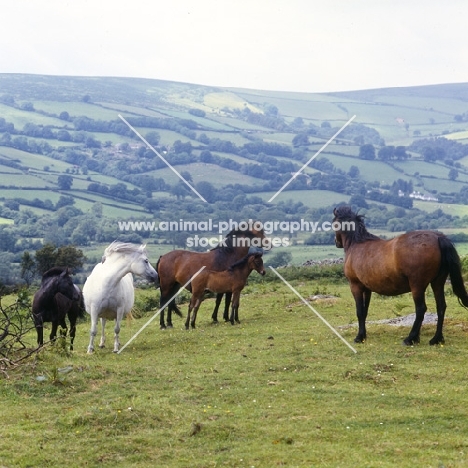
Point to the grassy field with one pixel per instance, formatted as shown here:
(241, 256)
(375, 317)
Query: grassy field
(278, 390)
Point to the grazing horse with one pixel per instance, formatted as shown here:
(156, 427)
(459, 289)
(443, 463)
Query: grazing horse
(57, 298)
(177, 267)
(231, 281)
(108, 291)
(407, 263)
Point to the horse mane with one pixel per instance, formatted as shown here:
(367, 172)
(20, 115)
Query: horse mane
(241, 263)
(125, 247)
(54, 271)
(227, 245)
(359, 233)
(226, 248)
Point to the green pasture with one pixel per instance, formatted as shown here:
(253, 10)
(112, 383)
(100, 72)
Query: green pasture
(370, 171)
(24, 181)
(310, 198)
(443, 185)
(460, 135)
(204, 122)
(19, 118)
(219, 100)
(217, 176)
(411, 166)
(280, 389)
(52, 195)
(34, 161)
(123, 109)
(452, 209)
(76, 109)
(436, 104)
(239, 124)
(315, 107)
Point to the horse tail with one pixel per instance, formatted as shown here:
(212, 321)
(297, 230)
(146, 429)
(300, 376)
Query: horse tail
(451, 262)
(156, 267)
(81, 307)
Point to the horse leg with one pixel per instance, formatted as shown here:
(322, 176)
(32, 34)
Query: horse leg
(163, 303)
(187, 321)
(102, 343)
(362, 297)
(53, 332)
(40, 335)
(117, 331)
(438, 289)
(235, 308)
(194, 311)
(227, 303)
(72, 330)
(420, 309)
(92, 332)
(219, 298)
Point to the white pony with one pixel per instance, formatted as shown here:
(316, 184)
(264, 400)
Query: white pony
(108, 291)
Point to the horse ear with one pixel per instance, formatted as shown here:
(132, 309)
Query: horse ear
(334, 211)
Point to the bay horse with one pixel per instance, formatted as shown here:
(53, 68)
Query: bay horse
(231, 281)
(407, 263)
(177, 267)
(108, 290)
(57, 298)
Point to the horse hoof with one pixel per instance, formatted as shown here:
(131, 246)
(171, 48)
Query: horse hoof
(90, 351)
(436, 341)
(359, 339)
(162, 327)
(170, 325)
(102, 346)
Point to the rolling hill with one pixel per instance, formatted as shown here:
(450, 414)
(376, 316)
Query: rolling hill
(227, 141)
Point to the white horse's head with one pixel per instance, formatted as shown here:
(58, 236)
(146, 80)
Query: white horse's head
(135, 255)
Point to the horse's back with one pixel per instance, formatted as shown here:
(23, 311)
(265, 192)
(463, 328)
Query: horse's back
(392, 267)
(179, 265)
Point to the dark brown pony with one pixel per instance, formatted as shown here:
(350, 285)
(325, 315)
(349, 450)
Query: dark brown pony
(407, 263)
(57, 298)
(177, 267)
(232, 281)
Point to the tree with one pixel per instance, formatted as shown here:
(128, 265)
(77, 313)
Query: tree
(386, 153)
(367, 151)
(28, 268)
(354, 172)
(65, 182)
(453, 174)
(207, 191)
(279, 259)
(66, 256)
(153, 138)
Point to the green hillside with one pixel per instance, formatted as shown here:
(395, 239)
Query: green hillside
(64, 143)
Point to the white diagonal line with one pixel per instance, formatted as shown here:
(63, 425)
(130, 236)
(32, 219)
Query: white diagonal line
(162, 158)
(312, 158)
(313, 310)
(159, 311)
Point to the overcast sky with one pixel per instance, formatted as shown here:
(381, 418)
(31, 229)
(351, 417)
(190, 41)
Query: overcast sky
(289, 45)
